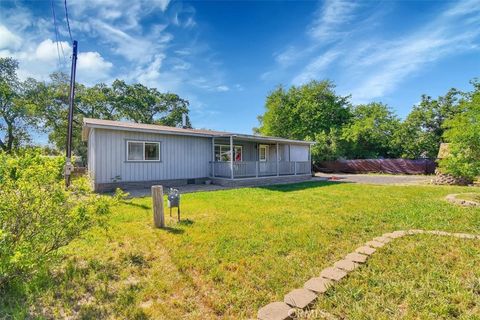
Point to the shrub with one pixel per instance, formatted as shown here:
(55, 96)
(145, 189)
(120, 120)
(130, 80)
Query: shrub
(463, 134)
(38, 215)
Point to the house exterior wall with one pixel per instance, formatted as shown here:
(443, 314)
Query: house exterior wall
(181, 157)
(299, 153)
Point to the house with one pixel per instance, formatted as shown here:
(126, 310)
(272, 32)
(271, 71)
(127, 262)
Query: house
(135, 155)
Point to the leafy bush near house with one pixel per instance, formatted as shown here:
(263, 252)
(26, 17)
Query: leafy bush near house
(38, 215)
(463, 135)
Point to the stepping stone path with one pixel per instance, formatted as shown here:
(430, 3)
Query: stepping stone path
(466, 203)
(346, 265)
(275, 311)
(333, 273)
(356, 257)
(375, 244)
(365, 250)
(300, 298)
(383, 239)
(318, 285)
(313, 288)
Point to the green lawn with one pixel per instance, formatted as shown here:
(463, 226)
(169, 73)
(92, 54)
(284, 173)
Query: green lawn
(237, 250)
(469, 196)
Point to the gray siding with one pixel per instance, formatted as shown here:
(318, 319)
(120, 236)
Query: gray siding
(182, 157)
(299, 153)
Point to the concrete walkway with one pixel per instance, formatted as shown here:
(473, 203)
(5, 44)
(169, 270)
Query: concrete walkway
(383, 179)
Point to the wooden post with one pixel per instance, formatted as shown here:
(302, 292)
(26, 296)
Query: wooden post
(157, 199)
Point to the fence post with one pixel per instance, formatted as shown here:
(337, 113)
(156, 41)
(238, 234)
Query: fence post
(157, 199)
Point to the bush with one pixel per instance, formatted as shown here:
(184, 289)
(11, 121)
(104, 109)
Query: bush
(463, 135)
(38, 215)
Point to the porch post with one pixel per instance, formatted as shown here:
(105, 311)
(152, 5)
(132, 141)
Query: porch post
(276, 153)
(294, 165)
(310, 157)
(231, 157)
(257, 160)
(213, 157)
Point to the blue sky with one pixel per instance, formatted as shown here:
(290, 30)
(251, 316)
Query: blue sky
(225, 56)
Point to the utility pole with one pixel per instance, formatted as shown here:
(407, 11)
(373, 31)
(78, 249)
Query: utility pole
(68, 164)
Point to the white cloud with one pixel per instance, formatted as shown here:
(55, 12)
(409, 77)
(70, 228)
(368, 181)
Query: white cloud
(222, 88)
(316, 67)
(150, 75)
(329, 26)
(40, 60)
(333, 15)
(8, 40)
(92, 67)
(366, 65)
(385, 67)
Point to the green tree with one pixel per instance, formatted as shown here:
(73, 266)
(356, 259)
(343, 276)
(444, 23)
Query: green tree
(463, 134)
(141, 104)
(371, 131)
(303, 111)
(421, 132)
(14, 111)
(120, 101)
(329, 146)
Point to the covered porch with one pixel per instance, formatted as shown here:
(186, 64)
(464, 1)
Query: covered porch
(241, 157)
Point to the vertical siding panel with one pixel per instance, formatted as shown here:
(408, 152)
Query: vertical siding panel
(181, 157)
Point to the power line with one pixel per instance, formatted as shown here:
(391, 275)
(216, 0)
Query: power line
(56, 32)
(68, 22)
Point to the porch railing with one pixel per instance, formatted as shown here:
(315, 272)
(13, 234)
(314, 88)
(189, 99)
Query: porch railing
(247, 169)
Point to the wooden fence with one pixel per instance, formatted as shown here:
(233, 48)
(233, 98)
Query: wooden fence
(393, 166)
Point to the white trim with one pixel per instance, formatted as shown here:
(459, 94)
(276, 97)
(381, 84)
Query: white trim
(143, 151)
(267, 150)
(228, 147)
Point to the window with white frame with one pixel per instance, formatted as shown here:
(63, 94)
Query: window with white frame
(263, 152)
(143, 151)
(222, 153)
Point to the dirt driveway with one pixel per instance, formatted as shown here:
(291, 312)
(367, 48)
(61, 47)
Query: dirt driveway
(376, 178)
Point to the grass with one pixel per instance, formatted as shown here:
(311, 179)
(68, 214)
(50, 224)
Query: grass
(238, 250)
(469, 196)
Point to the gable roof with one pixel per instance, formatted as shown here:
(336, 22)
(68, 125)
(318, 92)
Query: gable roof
(154, 128)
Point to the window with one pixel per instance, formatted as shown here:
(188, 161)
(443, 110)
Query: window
(222, 153)
(143, 151)
(263, 153)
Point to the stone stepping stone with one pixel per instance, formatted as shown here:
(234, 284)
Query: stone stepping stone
(346, 265)
(393, 235)
(399, 233)
(275, 311)
(365, 250)
(375, 244)
(318, 284)
(464, 235)
(333, 273)
(356, 257)
(439, 233)
(300, 298)
(415, 231)
(383, 239)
